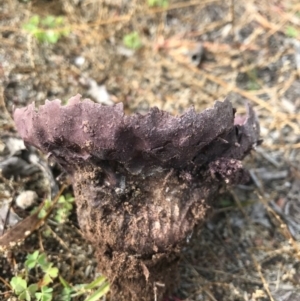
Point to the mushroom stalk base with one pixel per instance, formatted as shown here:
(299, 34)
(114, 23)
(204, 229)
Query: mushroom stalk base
(134, 278)
(138, 232)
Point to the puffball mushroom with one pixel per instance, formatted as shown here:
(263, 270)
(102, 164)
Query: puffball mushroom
(141, 182)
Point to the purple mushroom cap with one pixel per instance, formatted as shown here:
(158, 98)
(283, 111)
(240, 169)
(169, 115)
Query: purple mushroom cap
(82, 130)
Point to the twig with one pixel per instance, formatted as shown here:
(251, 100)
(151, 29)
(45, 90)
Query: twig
(267, 156)
(66, 247)
(209, 294)
(238, 203)
(263, 280)
(6, 283)
(232, 18)
(283, 226)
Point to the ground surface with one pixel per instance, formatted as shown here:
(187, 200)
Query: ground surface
(193, 52)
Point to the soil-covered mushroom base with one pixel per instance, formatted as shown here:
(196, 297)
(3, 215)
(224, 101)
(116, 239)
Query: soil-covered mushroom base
(138, 226)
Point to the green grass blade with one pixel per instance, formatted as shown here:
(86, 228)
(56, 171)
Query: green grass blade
(103, 290)
(95, 283)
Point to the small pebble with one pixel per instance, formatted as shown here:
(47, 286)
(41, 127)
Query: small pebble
(26, 199)
(88, 271)
(79, 61)
(196, 54)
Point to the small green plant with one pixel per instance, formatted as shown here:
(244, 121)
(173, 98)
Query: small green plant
(37, 260)
(132, 40)
(64, 208)
(40, 291)
(50, 273)
(291, 32)
(45, 294)
(44, 210)
(32, 260)
(47, 30)
(21, 288)
(160, 3)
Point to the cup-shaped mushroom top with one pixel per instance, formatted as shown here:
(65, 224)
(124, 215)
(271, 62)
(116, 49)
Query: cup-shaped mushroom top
(82, 131)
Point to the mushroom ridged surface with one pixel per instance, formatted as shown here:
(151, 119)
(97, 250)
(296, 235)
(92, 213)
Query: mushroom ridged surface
(141, 182)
